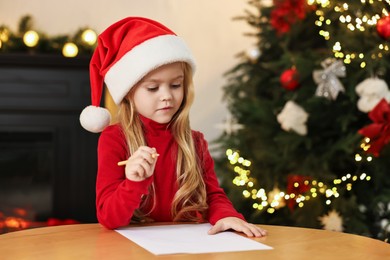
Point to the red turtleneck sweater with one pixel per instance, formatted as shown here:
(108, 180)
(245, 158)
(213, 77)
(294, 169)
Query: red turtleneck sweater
(117, 197)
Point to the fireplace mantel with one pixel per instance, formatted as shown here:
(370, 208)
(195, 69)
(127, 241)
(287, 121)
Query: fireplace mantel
(42, 96)
(43, 60)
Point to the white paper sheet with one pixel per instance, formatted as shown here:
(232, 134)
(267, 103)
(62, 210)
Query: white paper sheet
(188, 238)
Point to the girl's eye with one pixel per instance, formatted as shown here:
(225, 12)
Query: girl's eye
(152, 89)
(176, 85)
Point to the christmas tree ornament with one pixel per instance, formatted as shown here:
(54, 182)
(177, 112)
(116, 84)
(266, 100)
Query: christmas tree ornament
(379, 130)
(293, 118)
(230, 125)
(253, 54)
(371, 91)
(286, 13)
(383, 210)
(383, 27)
(332, 221)
(297, 185)
(329, 85)
(290, 79)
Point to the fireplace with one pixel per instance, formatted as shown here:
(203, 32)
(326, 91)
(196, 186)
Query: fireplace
(47, 161)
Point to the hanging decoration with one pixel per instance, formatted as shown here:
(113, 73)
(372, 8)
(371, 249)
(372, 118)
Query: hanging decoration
(298, 185)
(253, 54)
(329, 85)
(289, 79)
(332, 222)
(28, 40)
(287, 12)
(230, 125)
(383, 27)
(370, 92)
(293, 118)
(379, 131)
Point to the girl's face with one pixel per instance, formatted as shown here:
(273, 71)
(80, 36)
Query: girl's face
(159, 94)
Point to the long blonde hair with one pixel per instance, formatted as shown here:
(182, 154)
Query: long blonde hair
(191, 195)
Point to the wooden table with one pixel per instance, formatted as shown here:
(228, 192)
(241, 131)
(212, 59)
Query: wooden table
(92, 241)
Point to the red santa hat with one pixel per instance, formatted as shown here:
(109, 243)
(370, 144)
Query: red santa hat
(127, 51)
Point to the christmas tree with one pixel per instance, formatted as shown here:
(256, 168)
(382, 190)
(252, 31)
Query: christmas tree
(310, 117)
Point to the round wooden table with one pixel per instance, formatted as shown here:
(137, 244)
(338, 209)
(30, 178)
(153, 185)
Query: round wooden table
(92, 241)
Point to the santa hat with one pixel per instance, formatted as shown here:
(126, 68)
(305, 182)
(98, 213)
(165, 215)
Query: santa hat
(127, 51)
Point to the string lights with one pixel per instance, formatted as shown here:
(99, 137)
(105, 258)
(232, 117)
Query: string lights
(33, 41)
(354, 21)
(273, 200)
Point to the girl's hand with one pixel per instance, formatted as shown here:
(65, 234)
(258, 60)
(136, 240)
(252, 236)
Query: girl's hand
(239, 225)
(141, 164)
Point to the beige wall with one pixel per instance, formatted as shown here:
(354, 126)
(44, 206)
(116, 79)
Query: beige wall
(206, 26)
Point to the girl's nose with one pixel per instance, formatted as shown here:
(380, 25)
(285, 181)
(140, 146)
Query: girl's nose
(165, 94)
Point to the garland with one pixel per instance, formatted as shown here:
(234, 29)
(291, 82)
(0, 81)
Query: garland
(28, 40)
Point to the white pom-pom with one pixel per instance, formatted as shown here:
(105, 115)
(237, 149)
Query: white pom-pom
(94, 119)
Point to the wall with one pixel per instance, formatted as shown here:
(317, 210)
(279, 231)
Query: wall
(206, 25)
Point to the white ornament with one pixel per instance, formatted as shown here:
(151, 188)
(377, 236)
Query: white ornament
(371, 91)
(332, 221)
(253, 54)
(230, 125)
(385, 225)
(293, 117)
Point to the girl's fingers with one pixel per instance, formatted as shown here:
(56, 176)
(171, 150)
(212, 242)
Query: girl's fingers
(141, 164)
(149, 154)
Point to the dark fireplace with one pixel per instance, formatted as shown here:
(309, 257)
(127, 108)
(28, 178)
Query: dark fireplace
(47, 161)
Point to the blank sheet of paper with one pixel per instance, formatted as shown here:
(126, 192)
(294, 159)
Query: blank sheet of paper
(188, 238)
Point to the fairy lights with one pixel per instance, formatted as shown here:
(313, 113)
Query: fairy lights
(31, 38)
(276, 199)
(84, 40)
(353, 21)
(70, 50)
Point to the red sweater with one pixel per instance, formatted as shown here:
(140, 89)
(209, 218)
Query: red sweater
(117, 197)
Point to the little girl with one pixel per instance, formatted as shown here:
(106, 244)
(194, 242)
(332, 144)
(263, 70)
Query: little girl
(151, 165)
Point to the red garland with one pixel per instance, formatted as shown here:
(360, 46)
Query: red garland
(286, 13)
(379, 130)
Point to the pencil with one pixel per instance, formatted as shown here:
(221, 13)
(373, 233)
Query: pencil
(121, 163)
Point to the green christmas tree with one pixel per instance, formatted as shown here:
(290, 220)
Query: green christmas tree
(311, 117)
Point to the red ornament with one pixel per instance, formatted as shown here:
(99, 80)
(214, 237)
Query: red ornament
(290, 79)
(383, 27)
(379, 130)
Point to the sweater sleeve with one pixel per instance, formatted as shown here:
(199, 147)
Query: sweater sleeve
(219, 204)
(116, 197)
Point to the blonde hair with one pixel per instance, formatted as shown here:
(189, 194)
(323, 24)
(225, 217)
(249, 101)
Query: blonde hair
(191, 195)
